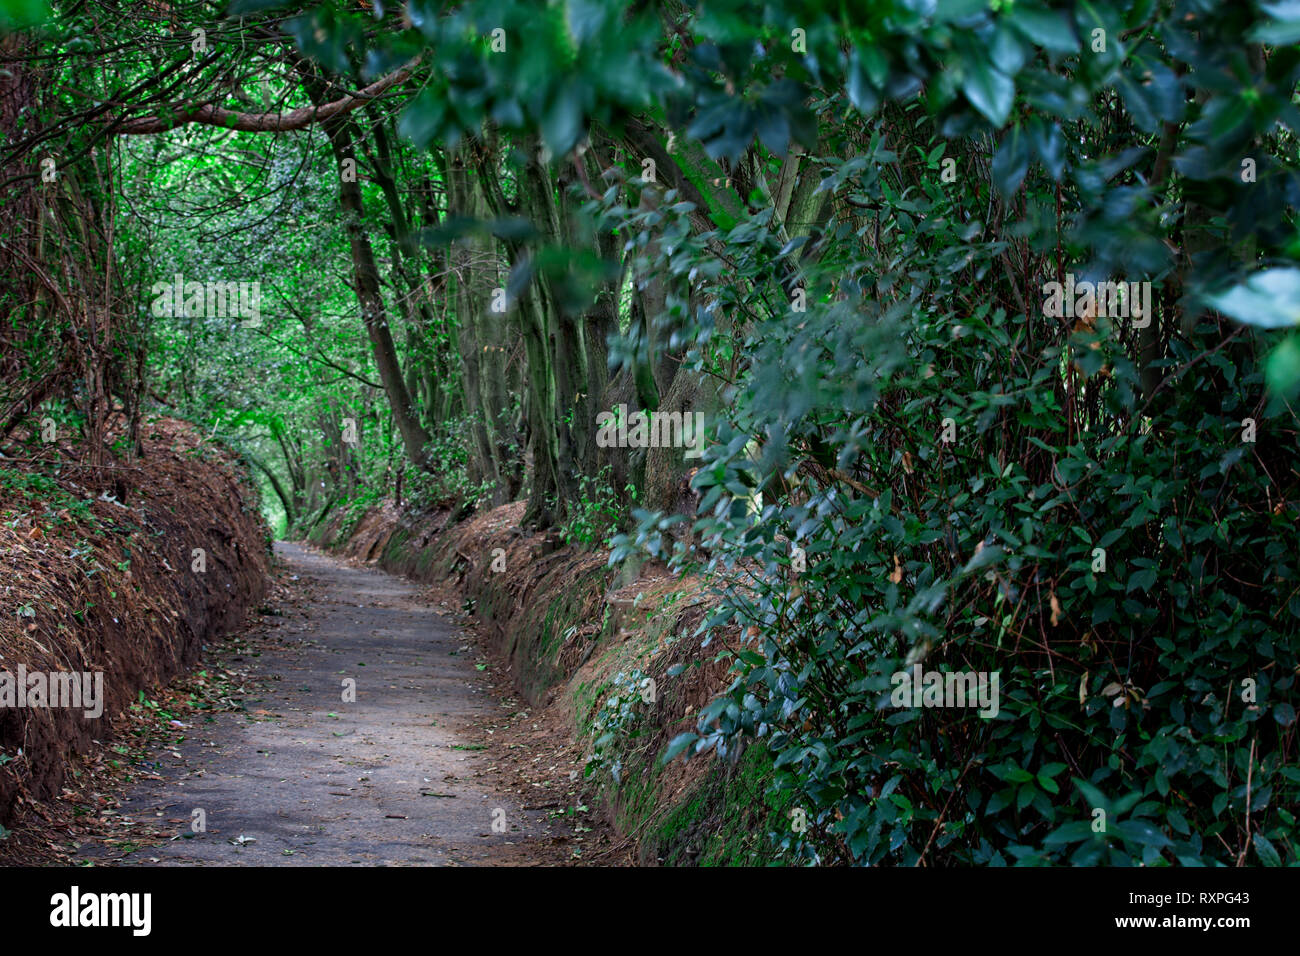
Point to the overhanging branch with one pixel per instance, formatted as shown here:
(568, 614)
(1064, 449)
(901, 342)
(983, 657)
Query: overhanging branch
(301, 118)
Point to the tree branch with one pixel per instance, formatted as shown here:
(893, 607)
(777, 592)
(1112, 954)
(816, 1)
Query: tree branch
(300, 118)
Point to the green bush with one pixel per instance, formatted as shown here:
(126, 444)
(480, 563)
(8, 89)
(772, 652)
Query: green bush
(596, 513)
(1099, 510)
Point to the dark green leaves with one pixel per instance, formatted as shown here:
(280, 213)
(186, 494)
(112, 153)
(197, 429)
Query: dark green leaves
(861, 85)
(1284, 713)
(327, 36)
(1283, 26)
(562, 122)
(983, 558)
(423, 120)
(1264, 848)
(989, 90)
(774, 131)
(1011, 160)
(1049, 145)
(1048, 29)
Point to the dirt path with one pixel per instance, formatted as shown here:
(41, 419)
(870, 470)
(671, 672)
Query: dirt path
(407, 774)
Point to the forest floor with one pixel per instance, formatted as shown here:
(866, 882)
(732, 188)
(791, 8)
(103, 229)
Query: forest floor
(437, 762)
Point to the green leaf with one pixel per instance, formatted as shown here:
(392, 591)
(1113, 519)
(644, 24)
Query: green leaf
(1140, 831)
(1049, 145)
(586, 19)
(562, 124)
(422, 120)
(1141, 580)
(862, 93)
(990, 554)
(876, 65)
(1266, 852)
(1047, 28)
(774, 131)
(1282, 369)
(1095, 798)
(512, 229)
(999, 801)
(989, 90)
(1268, 299)
(677, 745)
(1074, 832)
(1011, 161)
(1008, 55)
(1286, 26)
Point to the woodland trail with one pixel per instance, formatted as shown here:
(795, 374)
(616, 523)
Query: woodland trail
(406, 775)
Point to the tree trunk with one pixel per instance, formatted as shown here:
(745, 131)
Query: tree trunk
(366, 280)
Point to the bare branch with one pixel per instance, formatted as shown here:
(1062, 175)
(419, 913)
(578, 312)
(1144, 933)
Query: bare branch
(300, 118)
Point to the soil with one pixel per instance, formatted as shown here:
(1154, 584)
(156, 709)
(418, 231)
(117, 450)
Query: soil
(434, 751)
(122, 570)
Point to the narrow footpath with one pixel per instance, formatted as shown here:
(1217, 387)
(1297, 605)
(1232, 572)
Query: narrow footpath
(426, 766)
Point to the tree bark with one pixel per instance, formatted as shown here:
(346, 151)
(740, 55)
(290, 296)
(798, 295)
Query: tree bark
(366, 284)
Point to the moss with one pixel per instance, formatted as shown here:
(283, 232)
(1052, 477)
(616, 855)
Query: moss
(639, 791)
(551, 626)
(724, 819)
(395, 549)
(583, 696)
(727, 820)
(725, 209)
